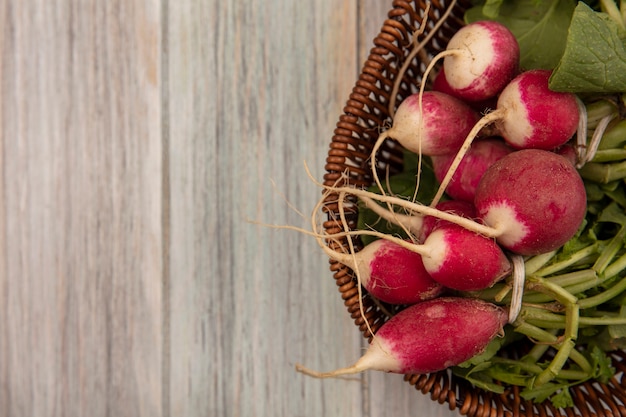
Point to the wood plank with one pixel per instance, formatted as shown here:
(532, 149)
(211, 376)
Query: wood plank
(255, 89)
(80, 224)
(389, 394)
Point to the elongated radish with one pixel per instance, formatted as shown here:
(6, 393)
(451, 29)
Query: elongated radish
(428, 337)
(535, 198)
(480, 60)
(481, 155)
(390, 272)
(528, 115)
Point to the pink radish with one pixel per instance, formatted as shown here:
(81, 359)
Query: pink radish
(480, 60)
(443, 122)
(428, 337)
(533, 116)
(441, 261)
(390, 272)
(534, 198)
(462, 260)
(481, 155)
(528, 115)
(431, 123)
(477, 263)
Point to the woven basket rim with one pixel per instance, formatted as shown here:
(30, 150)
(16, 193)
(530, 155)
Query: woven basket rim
(365, 112)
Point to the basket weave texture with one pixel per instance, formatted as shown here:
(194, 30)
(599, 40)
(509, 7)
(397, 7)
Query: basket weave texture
(365, 112)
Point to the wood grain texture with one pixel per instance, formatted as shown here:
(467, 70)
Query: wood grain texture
(81, 209)
(255, 89)
(138, 140)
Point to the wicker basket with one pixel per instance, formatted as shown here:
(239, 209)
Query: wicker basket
(358, 127)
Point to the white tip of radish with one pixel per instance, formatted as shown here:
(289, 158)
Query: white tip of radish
(474, 64)
(504, 219)
(515, 128)
(484, 58)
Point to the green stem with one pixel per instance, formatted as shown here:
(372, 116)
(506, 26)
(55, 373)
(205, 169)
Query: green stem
(609, 155)
(556, 365)
(603, 173)
(544, 336)
(569, 261)
(609, 251)
(533, 368)
(538, 261)
(539, 349)
(604, 296)
(598, 110)
(616, 267)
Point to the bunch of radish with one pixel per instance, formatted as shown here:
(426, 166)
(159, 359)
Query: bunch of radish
(508, 193)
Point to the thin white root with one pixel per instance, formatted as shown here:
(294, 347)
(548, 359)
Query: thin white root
(410, 223)
(469, 224)
(519, 277)
(350, 370)
(484, 121)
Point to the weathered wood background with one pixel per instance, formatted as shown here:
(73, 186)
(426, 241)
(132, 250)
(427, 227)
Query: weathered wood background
(138, 138)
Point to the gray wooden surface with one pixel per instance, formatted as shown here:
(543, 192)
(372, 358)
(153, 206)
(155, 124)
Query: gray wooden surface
(138, 138)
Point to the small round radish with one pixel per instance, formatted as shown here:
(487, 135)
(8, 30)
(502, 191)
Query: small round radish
(428, 123)
(391, 273)
(428, 337)
(440, 128)
(535, 116)
(535, 199)
(463, 260)
(481, 155)
(485, 58)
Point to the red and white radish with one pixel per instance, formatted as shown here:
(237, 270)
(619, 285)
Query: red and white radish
(480, 60)
(535, 199)
(428, 337)
(448, 255)
(533, 116)
(481, 155)
(528, 116)
(390, 272)
(464, 260)
(436, 126)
